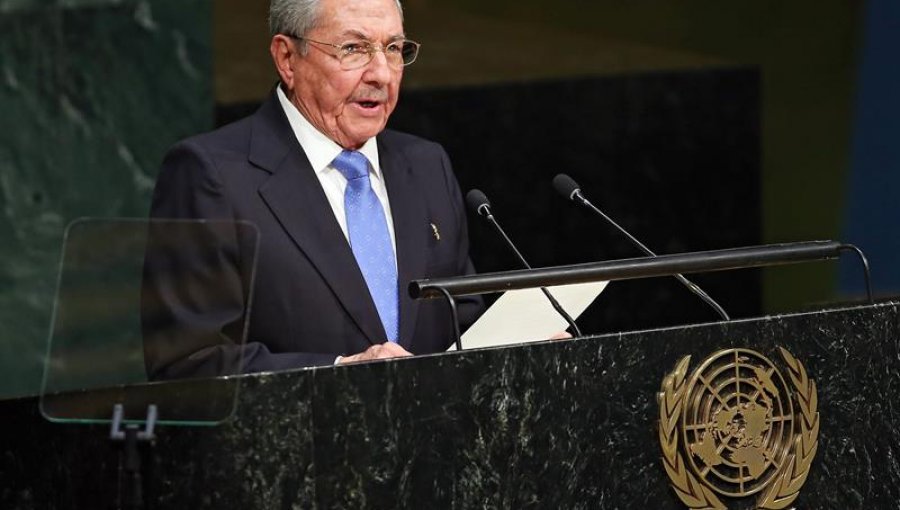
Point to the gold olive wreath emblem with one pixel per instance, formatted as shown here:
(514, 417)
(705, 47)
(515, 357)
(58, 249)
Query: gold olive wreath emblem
(732, 429)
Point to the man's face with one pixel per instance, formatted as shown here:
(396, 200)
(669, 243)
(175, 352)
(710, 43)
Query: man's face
(348, 106)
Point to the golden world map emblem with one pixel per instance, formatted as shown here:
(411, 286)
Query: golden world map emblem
(736, 427)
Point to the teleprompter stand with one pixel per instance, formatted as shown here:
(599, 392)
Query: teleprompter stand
(130, 472)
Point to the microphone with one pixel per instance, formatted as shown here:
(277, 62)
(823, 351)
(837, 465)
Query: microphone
(567, 187)
(479, 203)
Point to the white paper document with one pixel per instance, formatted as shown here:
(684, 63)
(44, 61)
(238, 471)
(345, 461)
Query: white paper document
(527, 316)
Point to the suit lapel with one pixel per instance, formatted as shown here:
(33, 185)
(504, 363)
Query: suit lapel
(410, 231)
(295, 196)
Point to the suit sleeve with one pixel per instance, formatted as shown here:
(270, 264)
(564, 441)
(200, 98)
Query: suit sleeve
(198, 276)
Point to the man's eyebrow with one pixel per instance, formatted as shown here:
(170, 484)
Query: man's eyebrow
(356, 34)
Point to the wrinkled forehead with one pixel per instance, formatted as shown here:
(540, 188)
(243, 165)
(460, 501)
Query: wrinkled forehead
(367, 19)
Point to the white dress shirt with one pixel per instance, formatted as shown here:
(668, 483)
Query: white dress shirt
(321, 151)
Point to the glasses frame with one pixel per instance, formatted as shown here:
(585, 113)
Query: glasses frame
(370, 51)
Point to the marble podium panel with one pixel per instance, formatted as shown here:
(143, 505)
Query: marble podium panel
(569, 424)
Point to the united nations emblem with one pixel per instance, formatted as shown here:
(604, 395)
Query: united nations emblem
(735, 427)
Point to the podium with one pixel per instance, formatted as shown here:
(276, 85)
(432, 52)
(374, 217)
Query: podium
(566, 424)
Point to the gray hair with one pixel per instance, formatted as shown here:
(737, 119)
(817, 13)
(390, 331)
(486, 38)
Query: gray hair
(297, 17)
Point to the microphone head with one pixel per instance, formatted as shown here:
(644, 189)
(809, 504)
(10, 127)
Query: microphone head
(478, 202)
(566, 186)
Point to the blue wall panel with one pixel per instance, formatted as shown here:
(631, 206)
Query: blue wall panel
(873, 204)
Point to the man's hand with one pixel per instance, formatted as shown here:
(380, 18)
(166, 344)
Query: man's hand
(378, 351)
(562, 335)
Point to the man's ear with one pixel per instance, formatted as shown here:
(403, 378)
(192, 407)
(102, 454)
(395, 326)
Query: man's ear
(282, 49)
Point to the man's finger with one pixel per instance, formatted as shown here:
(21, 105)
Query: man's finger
(369, 354)
(373, 352)
(391, 349)
(377, 351)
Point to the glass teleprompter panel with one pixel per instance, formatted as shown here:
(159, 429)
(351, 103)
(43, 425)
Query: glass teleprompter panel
(149, 313)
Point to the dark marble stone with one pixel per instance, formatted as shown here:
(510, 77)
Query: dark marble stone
(567, 424)
(92, 93)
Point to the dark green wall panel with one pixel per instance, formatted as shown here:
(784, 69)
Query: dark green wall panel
(92, 93)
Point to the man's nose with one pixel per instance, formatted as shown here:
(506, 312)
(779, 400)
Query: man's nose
(378, 70)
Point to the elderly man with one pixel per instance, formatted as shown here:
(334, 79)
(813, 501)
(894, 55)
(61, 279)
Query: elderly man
(348, 212)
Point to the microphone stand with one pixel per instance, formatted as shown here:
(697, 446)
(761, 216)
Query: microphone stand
(479, 202)
(693, 287)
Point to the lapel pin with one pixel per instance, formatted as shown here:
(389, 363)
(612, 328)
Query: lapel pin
(434, 230)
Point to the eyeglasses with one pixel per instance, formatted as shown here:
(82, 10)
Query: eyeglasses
(356, 54)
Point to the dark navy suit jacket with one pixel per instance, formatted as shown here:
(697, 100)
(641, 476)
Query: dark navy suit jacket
(309, 300)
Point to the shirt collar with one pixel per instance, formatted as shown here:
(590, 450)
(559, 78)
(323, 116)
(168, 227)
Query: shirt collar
(319, 149)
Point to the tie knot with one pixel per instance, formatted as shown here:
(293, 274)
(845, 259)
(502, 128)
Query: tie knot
(352, 164)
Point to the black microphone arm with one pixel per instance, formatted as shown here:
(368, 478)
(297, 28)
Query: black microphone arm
(480, 204)
(568, 188)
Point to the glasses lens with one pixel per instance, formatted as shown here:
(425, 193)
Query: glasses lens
(409, 52)
(358, 54)
(354, 60)
(355, 54)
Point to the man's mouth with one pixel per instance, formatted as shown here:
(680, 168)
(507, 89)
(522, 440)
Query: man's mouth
(368, 104)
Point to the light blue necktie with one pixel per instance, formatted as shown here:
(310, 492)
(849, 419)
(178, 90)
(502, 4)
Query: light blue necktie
(370, 239)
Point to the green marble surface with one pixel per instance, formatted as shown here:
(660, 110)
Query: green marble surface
(92, 93)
